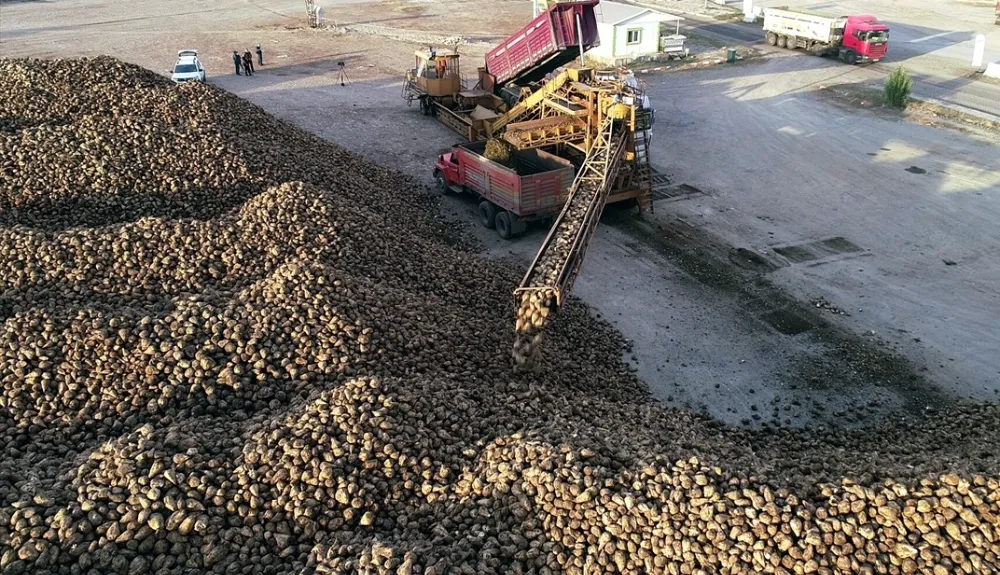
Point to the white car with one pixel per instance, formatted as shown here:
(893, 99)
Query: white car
(188, 67)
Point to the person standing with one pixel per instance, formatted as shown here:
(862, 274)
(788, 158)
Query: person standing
(248, 63)
(260, 56)
(237, 62)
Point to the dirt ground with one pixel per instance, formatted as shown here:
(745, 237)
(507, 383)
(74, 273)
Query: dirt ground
(775, 210)
(870, 97)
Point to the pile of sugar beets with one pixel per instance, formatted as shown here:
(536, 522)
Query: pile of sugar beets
(230, 347)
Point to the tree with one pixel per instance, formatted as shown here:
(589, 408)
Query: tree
(897, 88)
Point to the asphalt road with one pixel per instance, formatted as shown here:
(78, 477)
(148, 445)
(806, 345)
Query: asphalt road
(791, 178)
(931, 59)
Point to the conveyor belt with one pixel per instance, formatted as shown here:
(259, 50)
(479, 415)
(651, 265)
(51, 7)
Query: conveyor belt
(545, 132)
(550, 276)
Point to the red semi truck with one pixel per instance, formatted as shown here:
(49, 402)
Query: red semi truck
(853, 39)
(535, 188)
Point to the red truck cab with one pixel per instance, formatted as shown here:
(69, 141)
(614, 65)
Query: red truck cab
(866, 37)
(446, 173)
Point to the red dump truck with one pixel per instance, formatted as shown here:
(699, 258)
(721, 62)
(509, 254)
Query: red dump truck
(853, 39)
(535, 188)
(551, 40)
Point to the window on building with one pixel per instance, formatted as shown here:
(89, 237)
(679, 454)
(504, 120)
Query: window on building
(634, 36)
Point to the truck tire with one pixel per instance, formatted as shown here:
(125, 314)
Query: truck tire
(772, 38)
(782, 41)
(487, 214)
(850, 57)
(442, 186)
(792, 42)
(505, 227)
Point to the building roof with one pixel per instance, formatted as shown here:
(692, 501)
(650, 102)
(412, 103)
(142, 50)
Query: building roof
(617, 13)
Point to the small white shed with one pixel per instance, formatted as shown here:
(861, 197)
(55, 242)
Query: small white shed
(627, 32)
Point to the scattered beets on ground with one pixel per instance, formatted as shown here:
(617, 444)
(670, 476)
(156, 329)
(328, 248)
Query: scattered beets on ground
(230, 347)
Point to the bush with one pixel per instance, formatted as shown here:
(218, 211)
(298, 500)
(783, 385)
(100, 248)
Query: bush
(897, 88)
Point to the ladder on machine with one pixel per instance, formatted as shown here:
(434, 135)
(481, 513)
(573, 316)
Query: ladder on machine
(643, 171)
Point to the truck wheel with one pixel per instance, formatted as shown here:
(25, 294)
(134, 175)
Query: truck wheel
(504, 226)
(487, 214)
(792, 42)
(772, 38)
(782, 41)
(442, 186)
(850, 57)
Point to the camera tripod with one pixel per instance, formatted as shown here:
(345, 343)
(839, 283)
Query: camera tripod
(343, 74)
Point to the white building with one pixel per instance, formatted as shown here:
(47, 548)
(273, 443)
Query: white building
(627, 32)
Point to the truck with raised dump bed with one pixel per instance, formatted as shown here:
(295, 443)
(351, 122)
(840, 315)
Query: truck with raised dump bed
(533, 187)
(553, 39)
(853, 39)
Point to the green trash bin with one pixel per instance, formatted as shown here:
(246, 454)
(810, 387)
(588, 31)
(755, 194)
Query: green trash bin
(731, 55)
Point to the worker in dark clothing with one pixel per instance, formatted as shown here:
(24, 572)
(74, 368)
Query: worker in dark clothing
(237, 62)
(248, 61)
(260, 56)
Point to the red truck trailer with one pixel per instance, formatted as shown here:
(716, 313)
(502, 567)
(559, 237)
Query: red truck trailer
(551, 40)
(853, 39)
(535, 188)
